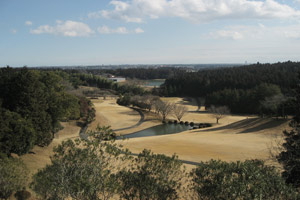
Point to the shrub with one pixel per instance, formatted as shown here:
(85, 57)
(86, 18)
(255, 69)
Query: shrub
(152, 176)
(208, 125)
(81, 169)
(22, 195)
(201, 125)
(239, 180)
(13, 176)
(124, 100)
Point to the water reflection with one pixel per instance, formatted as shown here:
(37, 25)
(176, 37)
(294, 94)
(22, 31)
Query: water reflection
(162, 129)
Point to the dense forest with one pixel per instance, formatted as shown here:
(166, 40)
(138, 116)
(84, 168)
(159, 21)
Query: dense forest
(244, 89)
(144, 73)
(32, 103)
(133, 73)
(83, 79)
(253, 89)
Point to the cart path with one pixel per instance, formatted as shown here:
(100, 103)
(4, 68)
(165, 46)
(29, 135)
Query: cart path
(142, 119)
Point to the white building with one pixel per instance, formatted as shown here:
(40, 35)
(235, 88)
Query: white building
(117, 79)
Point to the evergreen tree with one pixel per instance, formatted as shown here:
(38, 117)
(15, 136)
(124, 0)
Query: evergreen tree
(290, 157)
(17, 134)
(31, 105)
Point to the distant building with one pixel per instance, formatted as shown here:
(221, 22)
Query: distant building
(117, 79)
(190, 70)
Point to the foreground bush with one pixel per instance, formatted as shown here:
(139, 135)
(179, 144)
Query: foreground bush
(98, 168)
(152, 176)
(81, 169)
(13, 176)
(94, 169)
(239, 180)
(22, 195)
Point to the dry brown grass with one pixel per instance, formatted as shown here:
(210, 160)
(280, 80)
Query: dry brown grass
(235, 138)
(39, 157)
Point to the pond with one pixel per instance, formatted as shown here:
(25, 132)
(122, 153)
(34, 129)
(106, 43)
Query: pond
(163, 129)
(154, 82)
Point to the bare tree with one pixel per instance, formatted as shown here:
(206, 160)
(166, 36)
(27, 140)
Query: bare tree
(179, 111)
(149, 100)
(157, 106)
(164, 108)
(219, 112)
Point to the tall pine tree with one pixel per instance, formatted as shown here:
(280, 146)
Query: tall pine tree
(290, 157)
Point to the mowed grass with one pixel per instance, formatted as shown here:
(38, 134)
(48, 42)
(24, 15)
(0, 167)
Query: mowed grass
(235, 138)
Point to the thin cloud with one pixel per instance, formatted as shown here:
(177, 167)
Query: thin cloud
(293, 33)
(139, 30)
(28, 23)
(119, 30)
(67, 28)
(259, 32)
(234, 35)
(13, 31)
(107, 30)
(196, 10)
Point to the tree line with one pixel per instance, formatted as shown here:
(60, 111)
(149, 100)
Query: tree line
(262, 99)
(32, 104)
(135, 73)
(239, 88)
(83, 79)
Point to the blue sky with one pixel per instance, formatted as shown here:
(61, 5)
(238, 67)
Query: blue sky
(95, 32)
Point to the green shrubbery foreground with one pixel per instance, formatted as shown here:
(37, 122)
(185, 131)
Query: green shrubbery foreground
(99, 168)
(13, 176)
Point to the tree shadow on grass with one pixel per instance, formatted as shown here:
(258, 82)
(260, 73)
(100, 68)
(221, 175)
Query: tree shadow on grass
(250, 125)
(142, 119)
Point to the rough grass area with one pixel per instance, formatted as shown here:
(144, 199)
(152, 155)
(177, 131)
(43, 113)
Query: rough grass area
(39, 157)
(235, 138)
